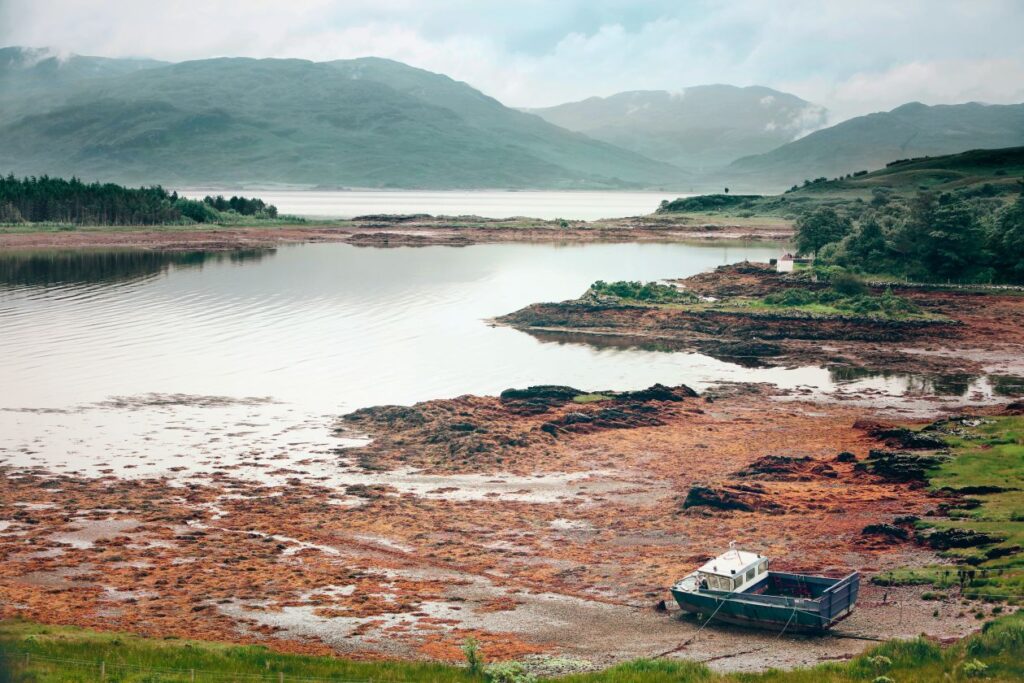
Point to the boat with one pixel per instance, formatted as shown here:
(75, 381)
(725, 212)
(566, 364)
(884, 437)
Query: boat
(738, 587)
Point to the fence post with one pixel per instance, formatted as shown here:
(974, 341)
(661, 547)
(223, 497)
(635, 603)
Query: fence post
(103, 670)
(280, 676)
(192, 675)
(28, 657)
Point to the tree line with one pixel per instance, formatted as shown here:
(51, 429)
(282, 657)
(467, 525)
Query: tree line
(44, 199)
(964, 236)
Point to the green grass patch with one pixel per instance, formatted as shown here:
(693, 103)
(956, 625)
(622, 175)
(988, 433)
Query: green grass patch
(591, 398)
(987, 470)
(63, 654)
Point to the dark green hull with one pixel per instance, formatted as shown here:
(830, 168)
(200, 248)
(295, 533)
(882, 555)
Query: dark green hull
(818, 604)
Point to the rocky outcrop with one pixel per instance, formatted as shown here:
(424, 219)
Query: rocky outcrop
(745, 498)
(895, 436)
(900, 465)
(890, 531)
(944, 539)
(477, 431)
(787, 468)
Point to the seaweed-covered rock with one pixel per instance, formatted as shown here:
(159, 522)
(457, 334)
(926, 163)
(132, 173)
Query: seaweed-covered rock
(538, 399)
(887, 530)
(657, 392)
(944, 539)
(900, 466)
(900, 437)
(787, 468)
(729, 497)
(626, 417)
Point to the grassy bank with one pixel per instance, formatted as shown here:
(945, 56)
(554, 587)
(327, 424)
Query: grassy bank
(48, 654)
(986, 474)
(792, 301)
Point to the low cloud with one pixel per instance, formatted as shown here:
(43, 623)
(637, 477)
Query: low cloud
(853, 58)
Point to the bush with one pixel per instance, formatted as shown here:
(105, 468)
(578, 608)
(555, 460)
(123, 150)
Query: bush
(650, 292)
(509, 672)
(474, 659)
(975, 668)
(847, 284)
(791, 297)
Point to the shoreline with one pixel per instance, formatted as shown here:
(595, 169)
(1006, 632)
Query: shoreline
(397, 231)
(534, 540)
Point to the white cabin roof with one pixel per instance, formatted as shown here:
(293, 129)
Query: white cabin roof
(731, 563)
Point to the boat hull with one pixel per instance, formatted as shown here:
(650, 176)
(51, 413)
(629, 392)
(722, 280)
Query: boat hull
(817, 614)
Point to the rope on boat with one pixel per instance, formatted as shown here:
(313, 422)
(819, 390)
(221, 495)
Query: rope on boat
(791, 615)
(694, 636)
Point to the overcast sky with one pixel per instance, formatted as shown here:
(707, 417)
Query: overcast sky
(852, 56)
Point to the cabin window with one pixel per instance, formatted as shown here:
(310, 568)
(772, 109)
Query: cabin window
(763, 567)
(750, 574)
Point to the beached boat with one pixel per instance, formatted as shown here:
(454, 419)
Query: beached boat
(737, 587)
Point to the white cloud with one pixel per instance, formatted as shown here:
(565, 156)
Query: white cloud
(851, 57)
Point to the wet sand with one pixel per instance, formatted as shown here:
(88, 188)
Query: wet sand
(384, 231)
(535, 544)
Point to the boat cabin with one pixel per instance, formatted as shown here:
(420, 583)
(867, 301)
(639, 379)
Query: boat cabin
(732, 572)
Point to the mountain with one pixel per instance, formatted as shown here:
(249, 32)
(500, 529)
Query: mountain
(869, 142)
(28, 74)
(353, 123)
(702, 128)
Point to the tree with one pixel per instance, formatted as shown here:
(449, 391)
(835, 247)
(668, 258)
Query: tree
(820, 227)
(1006, 241)
(941, 238)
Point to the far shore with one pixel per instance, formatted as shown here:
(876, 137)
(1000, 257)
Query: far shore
(398, 230)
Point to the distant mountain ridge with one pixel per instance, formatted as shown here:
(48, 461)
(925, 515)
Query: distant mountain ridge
(701, 128)
(351, 123)
(376, 123)
(870, 142)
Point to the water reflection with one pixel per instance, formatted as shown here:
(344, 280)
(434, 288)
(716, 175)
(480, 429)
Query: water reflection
(917, 384)
(58, 267)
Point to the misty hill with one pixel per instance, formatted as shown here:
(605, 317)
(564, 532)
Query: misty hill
(869, 142)
(702, 128)
(356, 123)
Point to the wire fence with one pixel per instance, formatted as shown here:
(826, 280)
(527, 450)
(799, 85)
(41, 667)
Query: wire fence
(104, 670)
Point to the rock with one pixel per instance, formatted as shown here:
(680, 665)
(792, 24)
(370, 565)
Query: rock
(944, 539)
(889, 530)
(658, 392)
(734, 497)
(538, 399)
(626, 417)
(899, 466)
(846, 456)
(1015, 408)
(787, 468)
(900, 437)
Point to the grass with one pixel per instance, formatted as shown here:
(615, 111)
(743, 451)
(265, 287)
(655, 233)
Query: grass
(988, 470)
(590, 398)
(132, 659)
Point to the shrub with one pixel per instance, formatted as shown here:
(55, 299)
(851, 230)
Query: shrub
(975, 668)
(847, 284)
(649, 292)
(509, 672)
(474, 659)
(999, 636)
(791, 297)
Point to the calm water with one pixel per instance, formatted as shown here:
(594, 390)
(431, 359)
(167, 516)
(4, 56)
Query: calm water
(137, 359)
(487, 203)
